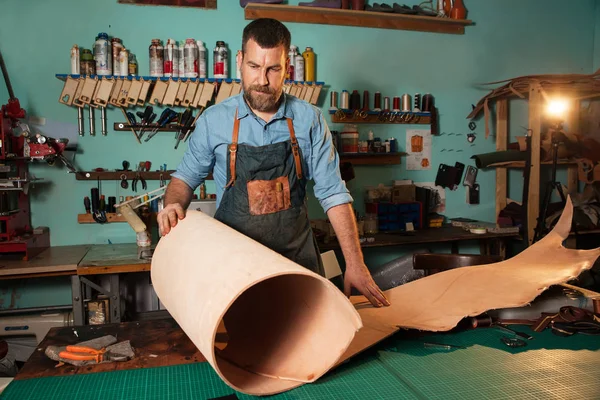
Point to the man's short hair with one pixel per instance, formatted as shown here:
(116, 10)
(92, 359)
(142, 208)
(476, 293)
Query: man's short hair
(268, 33)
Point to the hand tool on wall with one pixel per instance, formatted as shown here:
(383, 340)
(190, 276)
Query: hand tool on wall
(87, 205)
(80, 121)
(132, 124)
(146, 118)
(187, 119)
(103, 120)
(190, 130)
(92, 121)
(165, 117)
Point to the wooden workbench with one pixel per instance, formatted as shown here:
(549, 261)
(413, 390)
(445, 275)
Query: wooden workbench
(156, 343)
(54, 261)
(445, 234)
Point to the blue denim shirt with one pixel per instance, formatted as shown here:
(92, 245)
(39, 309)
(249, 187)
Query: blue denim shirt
(207, 150)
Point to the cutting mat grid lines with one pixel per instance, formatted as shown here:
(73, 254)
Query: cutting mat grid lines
(549, 367)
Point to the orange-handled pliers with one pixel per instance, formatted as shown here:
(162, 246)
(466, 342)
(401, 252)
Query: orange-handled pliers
(83, 353)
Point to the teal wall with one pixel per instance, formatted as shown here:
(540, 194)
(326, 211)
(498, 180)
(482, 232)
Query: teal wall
(509, 38)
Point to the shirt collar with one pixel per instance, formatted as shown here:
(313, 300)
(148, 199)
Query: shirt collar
(284, 111)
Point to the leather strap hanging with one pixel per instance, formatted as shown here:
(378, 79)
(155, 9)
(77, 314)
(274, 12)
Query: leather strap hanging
(295, 148)
(233, 149)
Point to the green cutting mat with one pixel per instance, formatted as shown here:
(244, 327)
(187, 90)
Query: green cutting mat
(396, 369)
(549, 367)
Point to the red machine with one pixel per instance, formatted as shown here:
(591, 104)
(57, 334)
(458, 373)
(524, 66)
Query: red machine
(18, 147)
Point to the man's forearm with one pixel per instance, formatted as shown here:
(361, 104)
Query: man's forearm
(344, 223)
(178, 192)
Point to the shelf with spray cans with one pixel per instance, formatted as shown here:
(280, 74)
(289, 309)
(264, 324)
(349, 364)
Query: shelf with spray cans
(401, 111)
(102, 91)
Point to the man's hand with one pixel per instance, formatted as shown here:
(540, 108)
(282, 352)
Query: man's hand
(169, 216)
(359, 277)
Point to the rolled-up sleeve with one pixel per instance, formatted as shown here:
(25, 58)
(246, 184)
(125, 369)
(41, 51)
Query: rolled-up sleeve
(329, 187)
(198, 160)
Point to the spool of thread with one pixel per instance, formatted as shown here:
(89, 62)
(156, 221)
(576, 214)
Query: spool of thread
(355, 100)
(386, 104)
(417, 107)
(333, 101)
(377, 105)
(427, 103)
(345, 101)
(396, 103)
(406, 102)
(365, 106)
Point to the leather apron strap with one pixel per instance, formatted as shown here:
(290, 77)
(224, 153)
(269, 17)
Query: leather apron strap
(233, 149)
(295, 148)
(234, 144)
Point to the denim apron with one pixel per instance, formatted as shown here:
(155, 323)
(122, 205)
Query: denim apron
(265, 198)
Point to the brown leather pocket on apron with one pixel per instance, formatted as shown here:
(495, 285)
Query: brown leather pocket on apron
(267, 197)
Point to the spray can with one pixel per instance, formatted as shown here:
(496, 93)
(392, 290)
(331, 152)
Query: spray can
(299, 67)
(117, 46)
(190, 55)
(87, 64)
(102, 55)
(180, 68)
(201, 59)
(75, 60)
(169, 58)
(133, 66)
(290, 73)
(309, 64)
(124, 62)
(238, 69)
(220, 60)
(156, 58)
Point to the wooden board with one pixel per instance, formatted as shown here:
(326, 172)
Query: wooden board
(57, 260)
(156, 343)
(371, 159)
(112, 259)
(370, 19)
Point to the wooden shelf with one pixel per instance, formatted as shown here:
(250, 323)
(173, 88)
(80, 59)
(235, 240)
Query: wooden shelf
(89, 219)
(378, 117)
(116, 175)
(121, 126)
(371, 158)
(369, 19)
(521, 164)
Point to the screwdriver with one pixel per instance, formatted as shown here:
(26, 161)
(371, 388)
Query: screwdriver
(185, 138)
(147, 117)
(164, 119)
(131, 118)
(185, 124)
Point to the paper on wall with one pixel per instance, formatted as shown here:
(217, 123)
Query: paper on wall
(418, 147)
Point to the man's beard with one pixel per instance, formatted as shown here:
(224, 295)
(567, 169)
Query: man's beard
(261, 102)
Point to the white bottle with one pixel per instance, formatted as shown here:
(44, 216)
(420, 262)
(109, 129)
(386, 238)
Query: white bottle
(291, 69)
(124, 62)
(75, 60)
(181, 59)
(102, 55)
(299, 67)
(191, 58)
(170, 60)
(201, 59)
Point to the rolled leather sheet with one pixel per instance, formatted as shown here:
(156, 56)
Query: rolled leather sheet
(285, 324)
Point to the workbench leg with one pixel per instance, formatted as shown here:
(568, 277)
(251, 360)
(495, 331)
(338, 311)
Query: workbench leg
(454, 248)
(484, 247)
(115, 298)
(77, 299)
